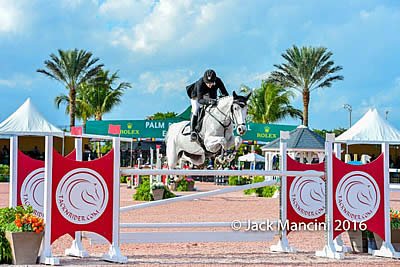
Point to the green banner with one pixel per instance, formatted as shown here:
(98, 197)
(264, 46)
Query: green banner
(264, 133)
(157, 129)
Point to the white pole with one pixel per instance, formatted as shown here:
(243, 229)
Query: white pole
(283, 243)
(337, 148)
(13, 171)
(114, 253)
(130, 161)
(151, 167)
(329, 250)
(77, 249)
(47, 255)
(338, 242)
(158, 162)
(386, 250)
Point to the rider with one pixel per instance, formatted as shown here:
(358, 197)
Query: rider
(204, 92)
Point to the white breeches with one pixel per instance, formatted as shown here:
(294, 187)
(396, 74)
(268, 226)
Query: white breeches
(195, 106)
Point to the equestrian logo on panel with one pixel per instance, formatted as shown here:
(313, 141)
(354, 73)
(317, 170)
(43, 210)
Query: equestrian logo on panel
(32, 191)
(307, 196)
(82, 196)
(357, 196)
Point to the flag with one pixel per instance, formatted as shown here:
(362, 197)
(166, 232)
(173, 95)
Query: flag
(76, 130)
(114, 129)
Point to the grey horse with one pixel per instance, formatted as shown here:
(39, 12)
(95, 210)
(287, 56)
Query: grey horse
(216, 133)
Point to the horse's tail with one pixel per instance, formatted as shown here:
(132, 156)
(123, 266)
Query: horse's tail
(170, 147)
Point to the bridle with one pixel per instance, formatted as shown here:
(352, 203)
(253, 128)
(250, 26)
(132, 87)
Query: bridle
(232, 117)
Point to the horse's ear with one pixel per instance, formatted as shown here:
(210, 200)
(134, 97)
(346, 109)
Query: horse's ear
(234, 95)
(248, 96)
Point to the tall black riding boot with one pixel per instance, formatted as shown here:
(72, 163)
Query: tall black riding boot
(193, 123)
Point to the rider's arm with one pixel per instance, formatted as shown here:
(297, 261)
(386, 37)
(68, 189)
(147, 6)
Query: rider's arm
(200, 94)
(221, 86)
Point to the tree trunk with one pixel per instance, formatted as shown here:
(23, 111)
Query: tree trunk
(98, 117)
(306, 102)
(72, 106)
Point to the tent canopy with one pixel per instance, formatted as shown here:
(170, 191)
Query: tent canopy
(27, 120)
(252, 157)
(370, 129)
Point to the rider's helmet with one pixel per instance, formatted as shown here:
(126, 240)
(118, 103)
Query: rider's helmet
(209, 76)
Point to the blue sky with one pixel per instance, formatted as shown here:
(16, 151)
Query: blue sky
(161, 46)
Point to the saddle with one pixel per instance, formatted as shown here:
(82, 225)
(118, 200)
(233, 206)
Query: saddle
(200, 118)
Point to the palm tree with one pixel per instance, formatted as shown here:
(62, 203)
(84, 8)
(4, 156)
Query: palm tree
(96, 98)
(83, 109)
(305, 70)
(72, 68)
(271, 103)
(102, 96)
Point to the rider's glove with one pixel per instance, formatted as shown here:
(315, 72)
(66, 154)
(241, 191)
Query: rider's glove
(212, 102)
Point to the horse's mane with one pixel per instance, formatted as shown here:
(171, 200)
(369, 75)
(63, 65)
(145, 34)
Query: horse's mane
(225, 99)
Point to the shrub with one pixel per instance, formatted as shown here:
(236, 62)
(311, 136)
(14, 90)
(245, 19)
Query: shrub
(238, 180)
(266, 191)
(143, 191)
(123, 180)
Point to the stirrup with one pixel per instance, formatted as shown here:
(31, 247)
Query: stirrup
(193, 136)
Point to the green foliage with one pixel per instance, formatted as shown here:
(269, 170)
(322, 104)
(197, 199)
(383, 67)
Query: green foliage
(271, 103)
(394, 219)
(238, 180)
(122, 180)
(336, 131)
(184, 184)
(4, 173)
(143, 191)
(5, 249)
(266, 191)
(162, 116)
(106, 147)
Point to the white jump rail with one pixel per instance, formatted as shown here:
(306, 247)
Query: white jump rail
(211, 173)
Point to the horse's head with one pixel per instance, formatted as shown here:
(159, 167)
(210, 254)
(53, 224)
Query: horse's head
(239, 112)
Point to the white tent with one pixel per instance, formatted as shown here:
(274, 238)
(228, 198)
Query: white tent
(370, 129)
(252, 157)
(27, 120)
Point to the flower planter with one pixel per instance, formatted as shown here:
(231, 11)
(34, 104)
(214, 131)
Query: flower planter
(24, 246)
(190, 187)
(158, 194)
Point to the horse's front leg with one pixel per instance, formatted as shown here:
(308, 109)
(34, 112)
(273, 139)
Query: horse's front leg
(215, 143)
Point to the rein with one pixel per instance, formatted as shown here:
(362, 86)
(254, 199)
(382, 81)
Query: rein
(231, 119)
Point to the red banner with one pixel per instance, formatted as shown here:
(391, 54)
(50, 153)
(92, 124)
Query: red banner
(82, 196)
(30, 183)
(72, 155)
(358, 196)
(305, 195)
